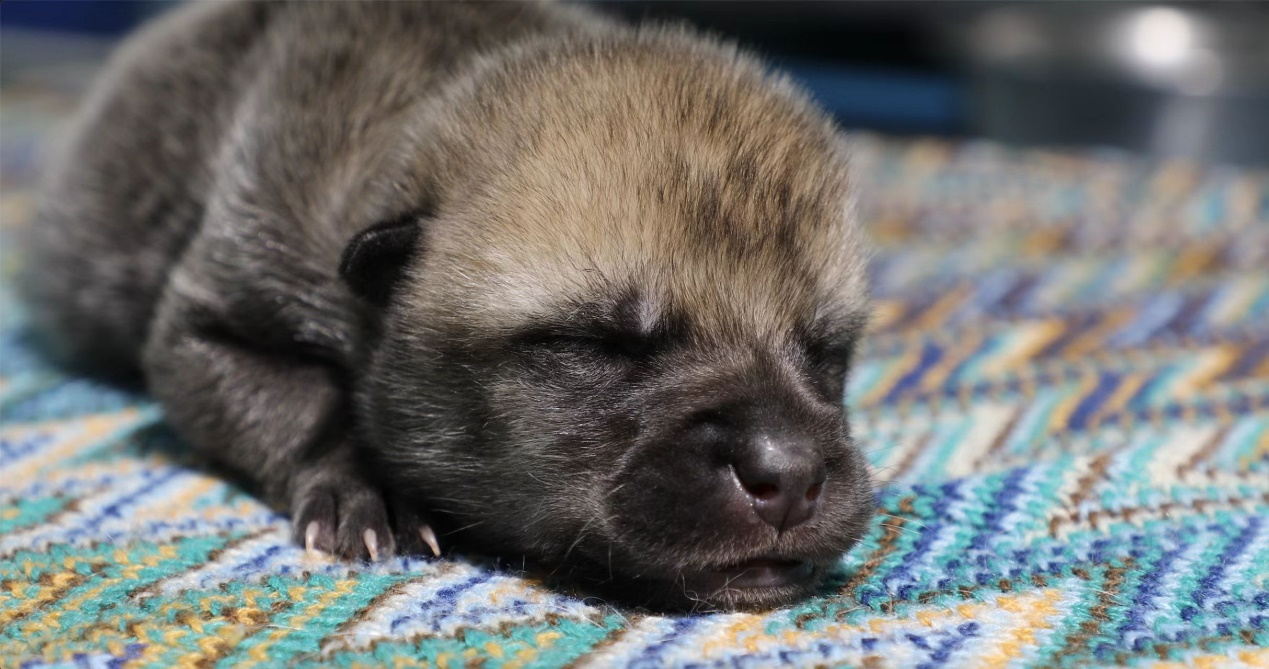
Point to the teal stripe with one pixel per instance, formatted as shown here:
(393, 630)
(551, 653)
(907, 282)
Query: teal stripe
(29, 511)
(304, 628)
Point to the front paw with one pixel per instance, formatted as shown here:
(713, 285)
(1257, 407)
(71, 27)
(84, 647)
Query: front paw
(414, 534)
(341, 514)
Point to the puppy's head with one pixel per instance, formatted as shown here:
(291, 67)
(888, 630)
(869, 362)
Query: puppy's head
(618, 342)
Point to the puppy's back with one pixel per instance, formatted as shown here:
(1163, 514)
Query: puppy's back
(217, 92)
(125, 188)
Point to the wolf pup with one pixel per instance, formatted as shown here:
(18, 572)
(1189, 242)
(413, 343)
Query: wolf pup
(506, 274)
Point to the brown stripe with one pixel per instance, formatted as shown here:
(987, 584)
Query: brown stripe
(1000, 440)
(56, 595)
(374, 602)
(1096, 473)
(893, 529)
(56, 517)
(1111, 583)
(911, 457)
(151, 589)
(609, 639)
(1164, 651)
(1204, 453)
(501, 629)
(1129, 513)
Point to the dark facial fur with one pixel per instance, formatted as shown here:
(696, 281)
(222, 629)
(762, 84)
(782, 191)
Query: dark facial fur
(586, 293)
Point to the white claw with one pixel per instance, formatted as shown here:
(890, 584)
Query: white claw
(372, 544)
(310, 535)
(429, 538)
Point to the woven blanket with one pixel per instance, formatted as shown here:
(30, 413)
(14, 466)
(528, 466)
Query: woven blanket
(1065, 395)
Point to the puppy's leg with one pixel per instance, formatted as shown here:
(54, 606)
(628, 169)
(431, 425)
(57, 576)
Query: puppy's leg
(281, 421)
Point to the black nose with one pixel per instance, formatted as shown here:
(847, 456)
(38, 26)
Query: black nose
(783, 477)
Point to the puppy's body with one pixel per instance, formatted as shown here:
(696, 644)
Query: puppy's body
(591, 266)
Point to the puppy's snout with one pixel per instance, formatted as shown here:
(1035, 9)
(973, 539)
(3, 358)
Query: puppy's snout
(783, 476)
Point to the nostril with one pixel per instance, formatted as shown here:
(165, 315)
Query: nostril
(761, 491)
(817, 483)
(782, 478)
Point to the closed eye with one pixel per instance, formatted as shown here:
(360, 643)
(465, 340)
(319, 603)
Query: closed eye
(828, 347)
(607, 343)
(828, 362)
(630, 345)
(624, 328)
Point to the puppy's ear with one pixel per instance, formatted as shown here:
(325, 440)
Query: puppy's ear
(375, 260)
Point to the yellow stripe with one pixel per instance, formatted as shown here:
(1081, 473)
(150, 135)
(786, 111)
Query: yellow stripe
(1042, 242)
(1237, 300)
(1030, 615)
(1262, 369)
(1029, 611)
(936, 315)
(59, 584)
(935, 377)
(90, 429)
(885, 313)
(896, 372)
(1193, 260)
(1211, 363)
(1062, 412)
(1031, 338)
(747, 626)
(89, 470)
(1128, 386)
(1258, 453)
(1256, 657)
(260, 653)
(179, 504)
(1095, 339)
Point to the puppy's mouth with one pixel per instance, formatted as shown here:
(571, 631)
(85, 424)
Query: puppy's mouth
(759, 582)
(755, 573)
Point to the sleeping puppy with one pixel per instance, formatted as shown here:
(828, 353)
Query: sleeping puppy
(507, 275)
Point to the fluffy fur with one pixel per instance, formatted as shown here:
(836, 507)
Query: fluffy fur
(508, 271)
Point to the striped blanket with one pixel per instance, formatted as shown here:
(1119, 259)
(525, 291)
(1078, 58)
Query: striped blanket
(1065, 396)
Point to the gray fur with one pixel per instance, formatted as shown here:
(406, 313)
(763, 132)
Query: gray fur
(561, 169)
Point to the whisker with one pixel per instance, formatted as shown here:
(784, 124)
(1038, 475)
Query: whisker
(465, 527)
(900, 528)
(904, 519)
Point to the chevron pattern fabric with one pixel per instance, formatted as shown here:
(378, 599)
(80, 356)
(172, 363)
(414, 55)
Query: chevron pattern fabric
(1065, 396)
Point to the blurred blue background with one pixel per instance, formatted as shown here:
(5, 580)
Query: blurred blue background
(1161, 79)
(102, 17)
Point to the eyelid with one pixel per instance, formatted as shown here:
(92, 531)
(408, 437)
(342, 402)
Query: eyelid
(830, 350)
(613, 342)
(548, 337)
